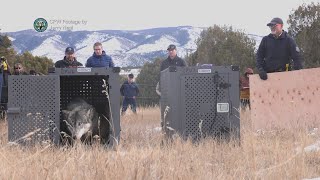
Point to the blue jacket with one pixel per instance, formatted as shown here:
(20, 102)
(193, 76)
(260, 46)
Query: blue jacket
(100, 61)
(274, 53)
(129, 90)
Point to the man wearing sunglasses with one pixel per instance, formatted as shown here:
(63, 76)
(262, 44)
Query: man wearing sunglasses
(276, 51)
(18, 69)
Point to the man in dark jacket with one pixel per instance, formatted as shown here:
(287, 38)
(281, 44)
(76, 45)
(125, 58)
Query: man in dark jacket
(173, 59)
(99, 57)
(69, 60)
(277, 50)
(129, 90)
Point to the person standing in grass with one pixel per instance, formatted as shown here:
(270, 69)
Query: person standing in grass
(129, 90)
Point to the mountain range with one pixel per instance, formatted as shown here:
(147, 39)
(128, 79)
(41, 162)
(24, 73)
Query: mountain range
(127, 48)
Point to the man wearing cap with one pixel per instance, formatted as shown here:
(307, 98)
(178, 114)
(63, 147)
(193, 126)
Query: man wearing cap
(276, 51)
(129, 90)
(99, 57)
(69, 60)
(173, 59)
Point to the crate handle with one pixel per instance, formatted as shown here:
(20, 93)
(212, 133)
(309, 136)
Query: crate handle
(14, 110)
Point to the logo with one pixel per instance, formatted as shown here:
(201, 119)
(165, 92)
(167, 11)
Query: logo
(83, 69)
(204, 70)
(40, 24)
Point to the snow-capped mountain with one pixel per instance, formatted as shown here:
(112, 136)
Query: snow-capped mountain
(127, 48)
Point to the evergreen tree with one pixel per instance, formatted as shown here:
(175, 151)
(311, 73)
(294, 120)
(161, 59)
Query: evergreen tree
(224, 46)
(304, 26)
(39, 64)
(147, 81)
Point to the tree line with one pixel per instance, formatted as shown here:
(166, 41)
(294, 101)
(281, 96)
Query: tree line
(29, 62)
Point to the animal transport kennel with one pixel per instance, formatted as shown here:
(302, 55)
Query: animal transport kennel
(35, 103)
(200, 101)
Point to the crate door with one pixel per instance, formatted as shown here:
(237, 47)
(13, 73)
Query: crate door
(200, 94)
(34, 109)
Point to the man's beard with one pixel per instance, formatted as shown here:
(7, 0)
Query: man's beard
(274, 32)
(172, 57)
(70, 58)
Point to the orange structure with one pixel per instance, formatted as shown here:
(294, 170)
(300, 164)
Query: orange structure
(286, 100)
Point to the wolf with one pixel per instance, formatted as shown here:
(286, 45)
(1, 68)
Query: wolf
(81, 120)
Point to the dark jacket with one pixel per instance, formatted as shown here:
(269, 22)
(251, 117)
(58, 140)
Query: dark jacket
(64, 63)
(244, 83)
(129, 90)
(274, 53)
(100, 61)
(177, 61)
(244, 80)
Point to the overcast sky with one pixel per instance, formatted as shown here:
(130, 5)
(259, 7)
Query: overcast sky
(249, 15)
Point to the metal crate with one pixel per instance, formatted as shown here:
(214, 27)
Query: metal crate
(35, 103)
(197, 102)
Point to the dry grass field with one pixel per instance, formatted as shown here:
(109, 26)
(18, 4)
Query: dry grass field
(142, 155)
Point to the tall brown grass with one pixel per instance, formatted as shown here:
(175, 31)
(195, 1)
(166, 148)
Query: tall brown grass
(143, 155)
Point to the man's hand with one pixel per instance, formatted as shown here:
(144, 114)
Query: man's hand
(263, 75)
(297, 68)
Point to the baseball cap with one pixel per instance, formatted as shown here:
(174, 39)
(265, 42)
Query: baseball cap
(171, 47)
(69, 50)
(130, 75)
(275, 21)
